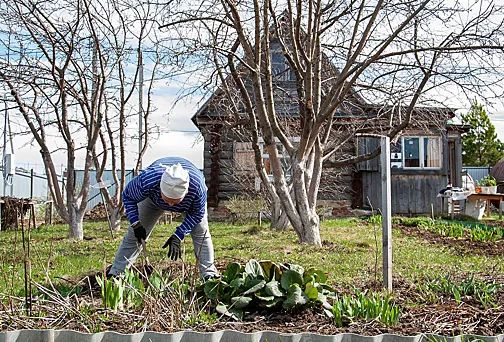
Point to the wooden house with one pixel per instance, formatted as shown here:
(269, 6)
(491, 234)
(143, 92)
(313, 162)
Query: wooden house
(425, 158)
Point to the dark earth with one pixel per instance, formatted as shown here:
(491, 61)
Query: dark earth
(418, 315)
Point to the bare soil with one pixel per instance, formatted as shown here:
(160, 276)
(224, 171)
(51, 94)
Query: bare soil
(444, 316)
(461, 246)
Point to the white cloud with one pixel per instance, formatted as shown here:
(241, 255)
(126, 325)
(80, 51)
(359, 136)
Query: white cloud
(178, 137)
(176, 144)
(498, 121)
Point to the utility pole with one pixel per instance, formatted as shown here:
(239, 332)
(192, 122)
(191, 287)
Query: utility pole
(140, 107)
(4, 171)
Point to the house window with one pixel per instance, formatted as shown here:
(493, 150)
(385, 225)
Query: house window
(282, 154)
(280, 68)
(243, 157)
(422, 152)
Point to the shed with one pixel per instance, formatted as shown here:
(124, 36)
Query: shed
(497, 172)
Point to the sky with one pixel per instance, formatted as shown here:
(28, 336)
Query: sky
(179, 137)
(498, 121)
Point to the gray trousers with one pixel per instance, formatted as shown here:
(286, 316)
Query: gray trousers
(149, 214)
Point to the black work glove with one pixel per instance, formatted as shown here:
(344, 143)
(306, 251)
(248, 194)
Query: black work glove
(139, 231)
(174, 251)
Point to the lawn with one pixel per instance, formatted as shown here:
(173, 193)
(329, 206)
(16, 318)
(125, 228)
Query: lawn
(350, 256)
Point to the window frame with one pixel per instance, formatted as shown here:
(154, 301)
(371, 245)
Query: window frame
(286, 73)
(282, 154)
(421, 152)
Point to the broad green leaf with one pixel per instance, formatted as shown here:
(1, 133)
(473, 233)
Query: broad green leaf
(296, 297)
(265, 298)
(270, 269)
(211, 289)
(272, 289)
(232, 271)
(297, 268)
(254, 269)
(240, 302)
(237, 283)
(234, 314)
(272, 303)
(255, 288)
(311, 291)
(289, 278)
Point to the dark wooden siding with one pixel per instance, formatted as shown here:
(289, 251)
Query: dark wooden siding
(411, 194)
(211, 168)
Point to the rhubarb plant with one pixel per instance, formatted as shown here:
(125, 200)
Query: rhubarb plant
(267, 285)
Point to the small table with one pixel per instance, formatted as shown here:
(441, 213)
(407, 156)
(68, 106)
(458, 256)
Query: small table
(488, 198)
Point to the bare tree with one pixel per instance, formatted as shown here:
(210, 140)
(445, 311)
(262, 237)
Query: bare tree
(130, 33)
(340, 57)
(65, 66)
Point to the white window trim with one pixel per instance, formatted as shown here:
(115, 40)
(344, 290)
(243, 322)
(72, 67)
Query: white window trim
(265, 155)
(421, 152)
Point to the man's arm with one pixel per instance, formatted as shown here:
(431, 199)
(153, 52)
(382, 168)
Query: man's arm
(193, 215)
(133, 193)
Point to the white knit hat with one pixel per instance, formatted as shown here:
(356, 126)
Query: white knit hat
(174, 182)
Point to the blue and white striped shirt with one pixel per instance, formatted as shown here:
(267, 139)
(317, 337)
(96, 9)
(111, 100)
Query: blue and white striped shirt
(146, 184)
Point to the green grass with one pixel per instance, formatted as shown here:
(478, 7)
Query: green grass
(348, 254)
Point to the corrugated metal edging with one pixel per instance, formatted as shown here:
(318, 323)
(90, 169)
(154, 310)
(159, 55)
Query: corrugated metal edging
(225, 336)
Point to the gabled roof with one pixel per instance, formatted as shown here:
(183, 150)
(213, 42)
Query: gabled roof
(358, 100)
(357, 106)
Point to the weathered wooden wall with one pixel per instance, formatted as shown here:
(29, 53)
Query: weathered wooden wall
(225, 180)
(411, 194)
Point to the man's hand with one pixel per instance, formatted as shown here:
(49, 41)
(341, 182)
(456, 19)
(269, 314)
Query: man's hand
(139, 231)
(174, 251)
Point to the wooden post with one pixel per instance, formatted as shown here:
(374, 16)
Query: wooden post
(33, 219)
(31, 184)
(26, 257)
(259, 218)
(171, 218)
(48, 213)
(386, 202)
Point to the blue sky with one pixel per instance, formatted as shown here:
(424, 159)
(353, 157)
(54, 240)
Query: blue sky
(179, 136)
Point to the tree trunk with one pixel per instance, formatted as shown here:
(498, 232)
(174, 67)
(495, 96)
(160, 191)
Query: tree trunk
(75, 223)
(279, 219)
(307, 226)
(76, 229)
(115, 219)
(311, 231)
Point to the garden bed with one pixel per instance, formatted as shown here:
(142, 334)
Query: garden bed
(461, 246)
(421, 311)
(445, 291)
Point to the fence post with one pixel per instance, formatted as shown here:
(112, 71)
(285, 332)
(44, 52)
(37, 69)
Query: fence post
(386, 212)
(31, 184)
(48, 212)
